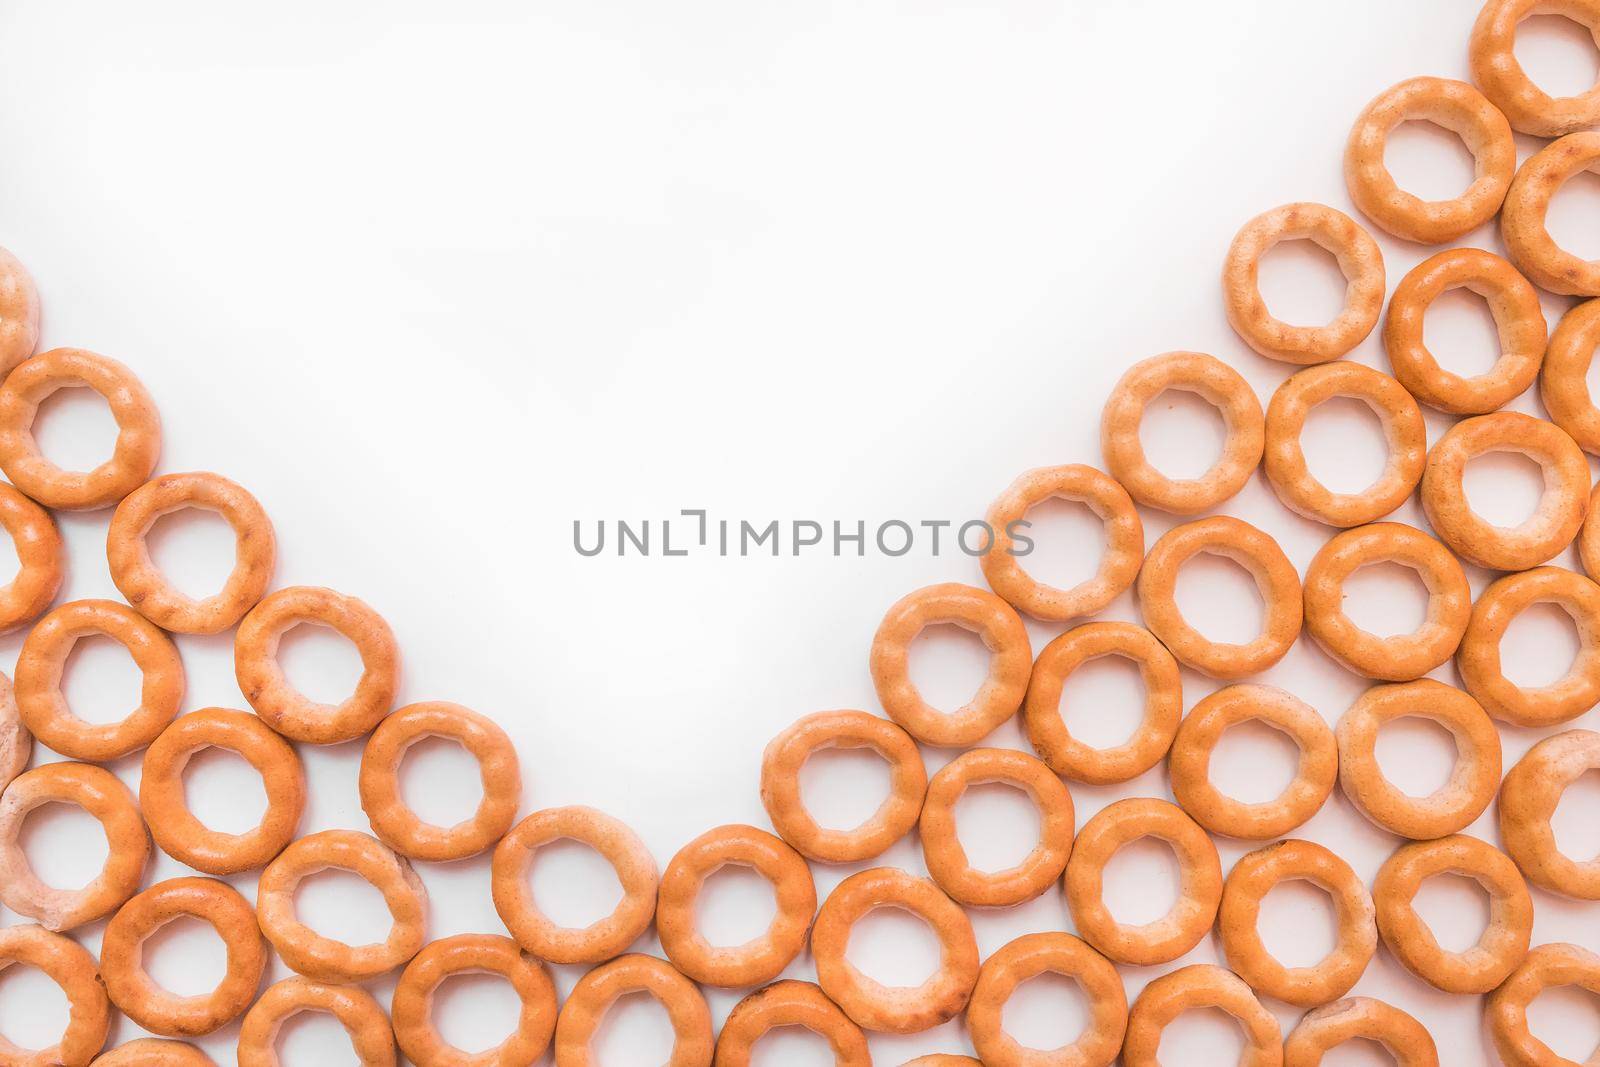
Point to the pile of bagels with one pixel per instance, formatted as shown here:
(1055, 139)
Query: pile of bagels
(844, 1003)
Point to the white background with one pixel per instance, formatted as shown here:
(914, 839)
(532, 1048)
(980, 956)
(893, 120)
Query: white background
(435, 280)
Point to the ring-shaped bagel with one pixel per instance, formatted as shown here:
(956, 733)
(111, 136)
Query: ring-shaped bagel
(1359, 1018)
(189, 840)
(286, 709)
(327, 958)
(1561, 508)
(942, 850)
(1360, 260)
(597, 991)
(1252, 549)
(41, 558)
(393, 820)
(1200, 985)
(146, 1002)
(138, 442)
(1163, 703)
(1285, 460)
(1214, 382)
(363, 1020)
(412, 1006)
(1257, 874)
(790, 1003)
(972, 609)
(1473, 780)
(1190, 762)
(154, 1052)
(1528, 798)
(1495, 68)
(1397, 658)
(103, 796)
(1563, 379)
(1524, 219)
(1546, 967)
(1451, 105)
(1119, 563)
(1504, 943)
(787, 753)
(1518, 319)
(1027, 958)
(762, 958)
(43, 661)
(74, 971)
(601, 940)
(151, 592)
(1200, 891)
(1483, 669)
(894, 1009)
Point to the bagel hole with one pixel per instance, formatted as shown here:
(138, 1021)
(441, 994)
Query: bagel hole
(1570, 218)
(842, 788)
(1416, 755)
(1345, 446)
(315, 1037)
(66, 846)
(1047, 1012)
(1297, 923)
(1102, 702)
(1301, 283)
(997, 824)
(195, 549)
(1455, 908)
(1539, 647)
(948, 665)
(1358, 1052)
(475, 1011)
(1557, 54)
(636, 1029)
(186, 957)
(74, 428)
(1141, 882)
(573, 884)
(736, 905)
(1202, 1035)
(1254, 762)
(1459, 330)
(791, 1046)
(1219, 599)
(1567, 1018)
(100, 681)
(34, 1011)
(1069, 540)
(223, 785)
(894, 947)
(1386, 599)
(344, 906)
(1182, 434)
(1577, 831)
(440, 781)
(319, 662)
(1503, 488)
(1429, 161)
